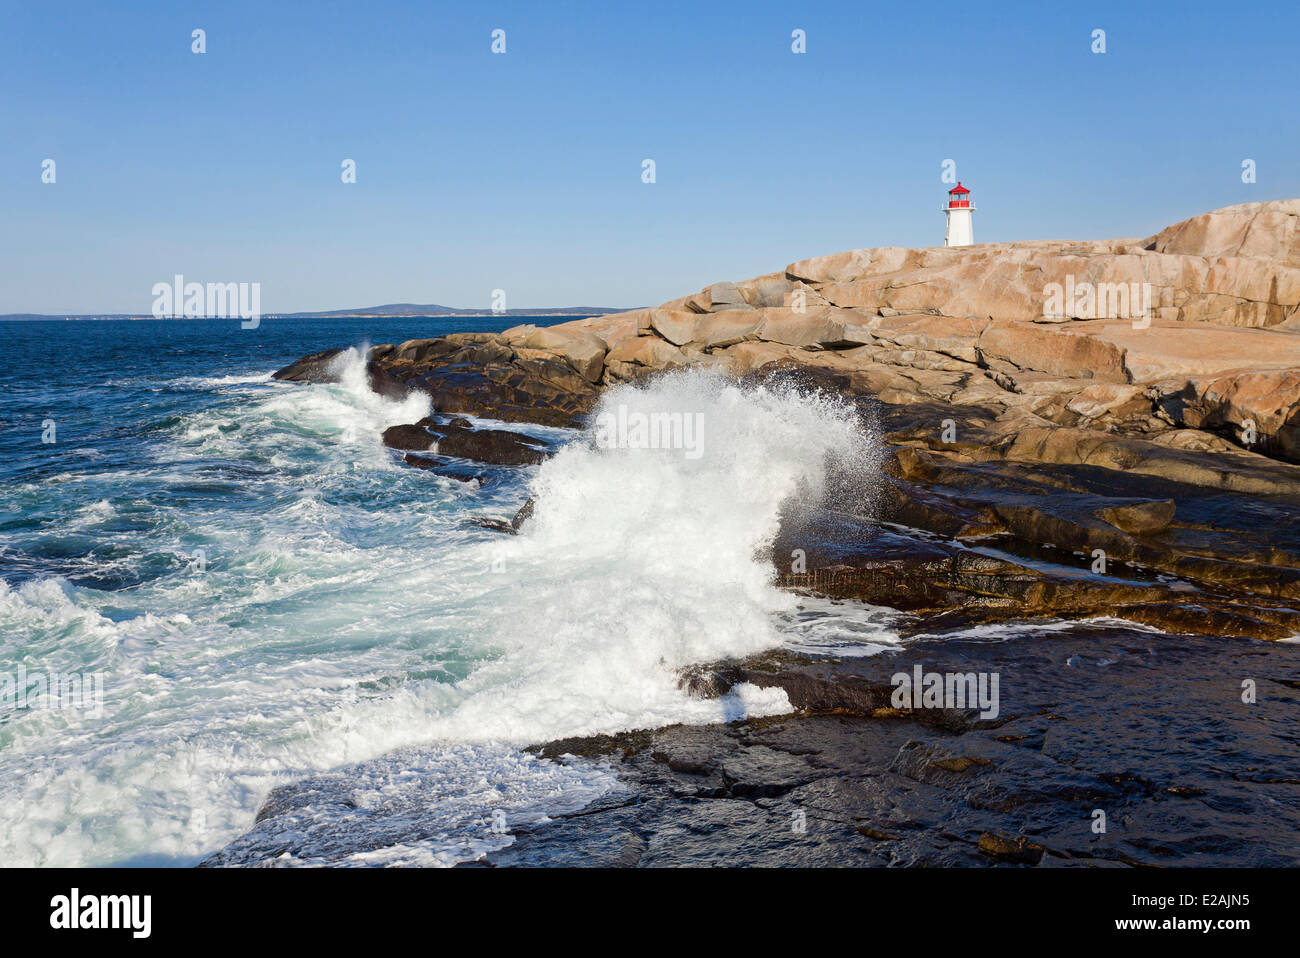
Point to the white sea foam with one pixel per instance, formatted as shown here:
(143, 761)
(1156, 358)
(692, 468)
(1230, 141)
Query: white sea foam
(1004, 631)
(218, 382)
(427, 806)
(841, 628)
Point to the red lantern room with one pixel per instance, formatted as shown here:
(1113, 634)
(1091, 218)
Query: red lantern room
(958, 197)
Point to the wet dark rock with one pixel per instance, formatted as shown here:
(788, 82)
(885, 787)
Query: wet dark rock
(1083, 728)
(1019, 850)
(495, 446)
(422, 350)
(384, 382)
(316, 368)
(496, 525)
(1139, 518)
(409, 437)
(510, 527)
(524, 514)
(490, 380)
(445, 468)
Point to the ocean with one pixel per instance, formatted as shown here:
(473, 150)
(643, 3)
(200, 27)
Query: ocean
(259, 592)
(265, 591)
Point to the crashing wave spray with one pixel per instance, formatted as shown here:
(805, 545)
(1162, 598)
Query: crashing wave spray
(644, 556)
(351, 367)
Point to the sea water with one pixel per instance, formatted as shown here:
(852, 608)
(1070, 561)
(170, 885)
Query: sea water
(267, 593)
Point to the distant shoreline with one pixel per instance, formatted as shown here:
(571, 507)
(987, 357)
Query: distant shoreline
(575, 312)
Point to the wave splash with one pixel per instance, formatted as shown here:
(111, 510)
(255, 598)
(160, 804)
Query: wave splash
(640, 561)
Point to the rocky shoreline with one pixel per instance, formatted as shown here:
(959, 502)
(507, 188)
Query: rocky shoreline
(1063, 466)
(847, 780)
(1047, 459)
(1140, 734)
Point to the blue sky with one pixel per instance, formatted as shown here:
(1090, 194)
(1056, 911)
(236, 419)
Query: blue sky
(522, 171)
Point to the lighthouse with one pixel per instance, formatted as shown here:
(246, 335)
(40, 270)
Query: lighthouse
(958, 231)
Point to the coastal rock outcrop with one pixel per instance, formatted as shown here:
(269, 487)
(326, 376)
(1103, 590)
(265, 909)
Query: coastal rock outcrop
(495, 446)
(1201, 321)
(1096, 431)
(479, 374)
(1130, 406)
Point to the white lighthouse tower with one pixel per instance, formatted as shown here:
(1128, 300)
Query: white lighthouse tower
(959, 230)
